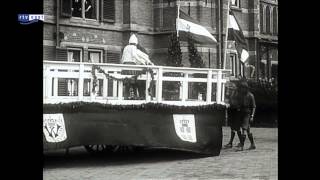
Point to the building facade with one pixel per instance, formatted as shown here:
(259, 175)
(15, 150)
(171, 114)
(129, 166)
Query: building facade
(98, 30)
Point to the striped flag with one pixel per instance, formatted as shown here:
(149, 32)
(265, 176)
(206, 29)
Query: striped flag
(235, 34)
(186, 25)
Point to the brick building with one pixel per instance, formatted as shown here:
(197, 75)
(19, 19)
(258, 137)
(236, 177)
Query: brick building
(99, 33)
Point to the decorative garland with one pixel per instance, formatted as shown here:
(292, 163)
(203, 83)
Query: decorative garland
(75, 107)
(126, 80)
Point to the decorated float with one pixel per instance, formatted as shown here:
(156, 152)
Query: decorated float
(84, 105)
(88, 104)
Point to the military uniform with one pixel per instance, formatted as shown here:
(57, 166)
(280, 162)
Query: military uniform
(245, 113)
(232, 112)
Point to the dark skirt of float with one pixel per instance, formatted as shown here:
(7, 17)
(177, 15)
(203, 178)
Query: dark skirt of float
(196, 129)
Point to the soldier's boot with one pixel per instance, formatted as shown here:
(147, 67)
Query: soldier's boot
(229, 145)
(252, 146)
(243, 138)
(240, 139)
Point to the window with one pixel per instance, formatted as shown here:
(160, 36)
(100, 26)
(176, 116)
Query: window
(271, 20)
(89, 9)
(84, 9)
(275, 20)
(76, 8)
(233, 64)
(262, 19)
(95, 56)
(235, 3)
(74, 55)
(268, 20)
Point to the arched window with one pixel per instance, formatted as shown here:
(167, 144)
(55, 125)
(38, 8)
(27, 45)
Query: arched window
(262, 20)
(268, 14)
(275, 20)
(271, 19)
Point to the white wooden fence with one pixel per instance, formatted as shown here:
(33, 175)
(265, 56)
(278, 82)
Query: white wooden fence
(78, 78)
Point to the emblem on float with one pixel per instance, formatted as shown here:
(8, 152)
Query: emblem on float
(184, 125)
(54, 128)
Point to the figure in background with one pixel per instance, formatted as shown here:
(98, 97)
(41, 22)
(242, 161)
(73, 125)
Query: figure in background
(76, 8)
(246, 113)
(232, 114)
(88, 9)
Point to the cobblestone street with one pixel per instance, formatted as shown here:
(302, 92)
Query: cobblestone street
(261, 163)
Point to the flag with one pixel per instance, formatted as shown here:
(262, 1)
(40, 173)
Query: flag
(186, 25)
(235, 34)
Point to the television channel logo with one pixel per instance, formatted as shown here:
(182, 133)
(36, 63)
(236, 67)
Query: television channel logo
(30, 18)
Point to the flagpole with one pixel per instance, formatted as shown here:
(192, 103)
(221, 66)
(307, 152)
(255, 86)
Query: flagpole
(226, 40)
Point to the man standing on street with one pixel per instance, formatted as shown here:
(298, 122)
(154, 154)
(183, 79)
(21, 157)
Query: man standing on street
(246, 113)
(232, 114)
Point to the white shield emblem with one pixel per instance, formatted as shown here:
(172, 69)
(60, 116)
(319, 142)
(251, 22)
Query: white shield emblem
(184, 125)
(54, 128)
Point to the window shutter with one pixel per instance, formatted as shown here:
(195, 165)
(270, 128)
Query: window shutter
(105, 57)
(108, 11)
(113, 57)
(61, 54)
(62, 87)
(49, 53)
(65, 8)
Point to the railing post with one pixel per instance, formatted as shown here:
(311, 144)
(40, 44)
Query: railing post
(48, 83)
(223, 91)
(120, 90)
(148, 79)
(44, 90)
(185, 87)
(80, 82)
(159, 85)
(209, 86)
(114, 86)
(55, 85)
(105, 87)
(218, 94)
(93, 94)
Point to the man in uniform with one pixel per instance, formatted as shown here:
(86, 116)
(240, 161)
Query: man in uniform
(246, 113)
(232, 114)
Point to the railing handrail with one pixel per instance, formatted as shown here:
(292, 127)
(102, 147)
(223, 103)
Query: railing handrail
(137, 66)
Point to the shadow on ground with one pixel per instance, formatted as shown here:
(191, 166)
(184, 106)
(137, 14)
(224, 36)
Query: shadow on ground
(78, 157)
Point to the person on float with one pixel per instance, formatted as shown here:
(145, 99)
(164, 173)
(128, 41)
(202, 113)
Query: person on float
(134, 56)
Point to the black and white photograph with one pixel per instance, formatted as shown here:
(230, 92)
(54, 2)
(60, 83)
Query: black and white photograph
(159, 89)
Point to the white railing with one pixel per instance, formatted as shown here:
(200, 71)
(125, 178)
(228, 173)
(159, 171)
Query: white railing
(78, 76)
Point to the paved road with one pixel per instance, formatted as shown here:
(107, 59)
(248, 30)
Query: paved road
(261, 163)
